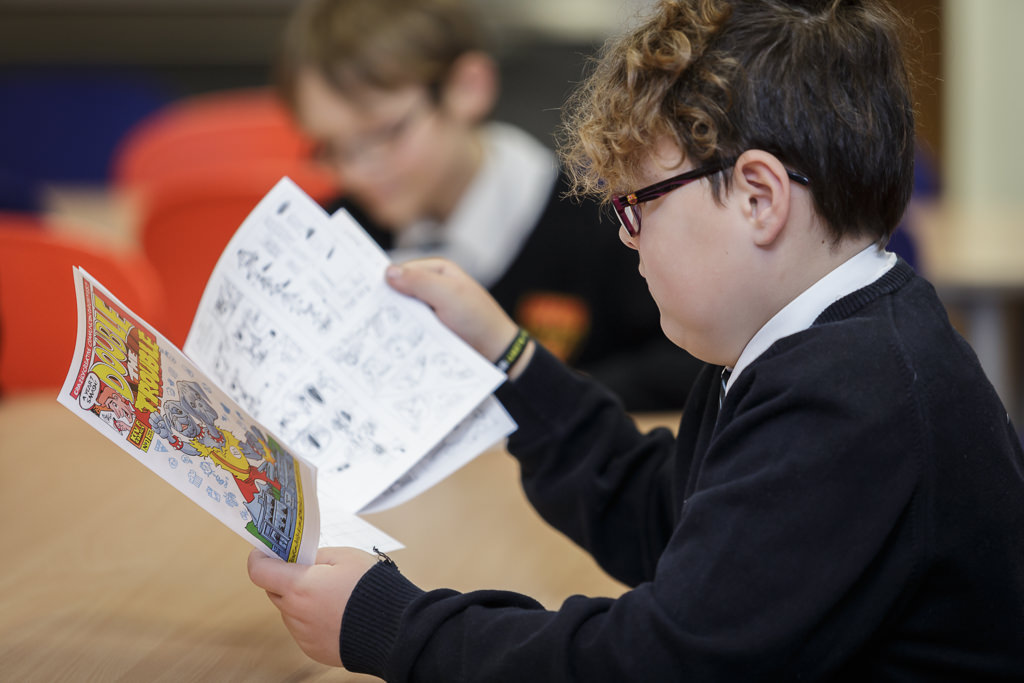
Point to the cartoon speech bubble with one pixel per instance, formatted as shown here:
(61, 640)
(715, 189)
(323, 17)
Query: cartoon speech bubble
(90, 390)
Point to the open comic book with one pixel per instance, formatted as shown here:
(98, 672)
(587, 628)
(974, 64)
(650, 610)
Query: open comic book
(308, 391)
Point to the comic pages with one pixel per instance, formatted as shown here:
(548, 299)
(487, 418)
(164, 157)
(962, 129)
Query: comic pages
(298, 324)
(308, 390)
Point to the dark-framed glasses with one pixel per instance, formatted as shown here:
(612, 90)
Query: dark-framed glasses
(627, 207)
(371, 145)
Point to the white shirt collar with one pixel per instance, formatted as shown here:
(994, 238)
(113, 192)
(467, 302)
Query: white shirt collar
(857, 272)
(497, 212)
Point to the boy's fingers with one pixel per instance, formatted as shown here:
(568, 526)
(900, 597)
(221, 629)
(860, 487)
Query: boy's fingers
(459, 301)
(433, 264)
(272, 574)
(412, 280)
(423, 278)
(276, 600)
(341, 555)
(330, 556)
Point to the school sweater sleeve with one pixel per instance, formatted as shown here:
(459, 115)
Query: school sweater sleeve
(588, 471)
(734, 592)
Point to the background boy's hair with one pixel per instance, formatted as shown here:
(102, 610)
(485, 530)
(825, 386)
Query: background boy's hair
(383, 44)
(821, 84)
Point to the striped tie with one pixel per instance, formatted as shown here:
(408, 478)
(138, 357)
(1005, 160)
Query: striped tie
(721, 389)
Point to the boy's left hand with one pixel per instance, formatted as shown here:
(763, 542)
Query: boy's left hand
(312, 598)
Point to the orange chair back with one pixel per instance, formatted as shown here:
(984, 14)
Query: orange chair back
(38, 314)
(223, 130)
(196, 169)
(187, 222)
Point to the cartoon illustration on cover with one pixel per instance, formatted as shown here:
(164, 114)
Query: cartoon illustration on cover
(189, 425)
(151, 401)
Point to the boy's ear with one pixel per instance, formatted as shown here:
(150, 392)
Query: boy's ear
(471, 88)
(762, 183)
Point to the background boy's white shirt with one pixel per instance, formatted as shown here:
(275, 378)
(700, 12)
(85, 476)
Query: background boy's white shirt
(857, 272)
(496, 214)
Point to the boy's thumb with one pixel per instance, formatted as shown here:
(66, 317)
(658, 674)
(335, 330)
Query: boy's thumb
(404, 280)
(424, 279)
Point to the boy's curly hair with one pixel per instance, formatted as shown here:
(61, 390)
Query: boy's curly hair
(821, 84)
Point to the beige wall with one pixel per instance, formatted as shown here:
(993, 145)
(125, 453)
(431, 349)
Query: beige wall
(984, 101)
(983, 139)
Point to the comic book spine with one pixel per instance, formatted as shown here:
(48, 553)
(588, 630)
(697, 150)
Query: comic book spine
(300, 514)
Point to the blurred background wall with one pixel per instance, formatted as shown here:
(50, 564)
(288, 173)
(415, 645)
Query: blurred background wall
(984, 108)
(180, 47)
(75, 74)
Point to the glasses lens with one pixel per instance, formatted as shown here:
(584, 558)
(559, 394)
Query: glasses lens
(629, 216)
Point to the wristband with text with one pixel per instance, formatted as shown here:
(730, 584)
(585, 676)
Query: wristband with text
(514, 351)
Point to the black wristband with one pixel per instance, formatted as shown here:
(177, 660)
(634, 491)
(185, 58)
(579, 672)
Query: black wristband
(514, 350)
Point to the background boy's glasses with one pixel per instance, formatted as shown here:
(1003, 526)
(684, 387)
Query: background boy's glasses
(371, 146)
(627, 207)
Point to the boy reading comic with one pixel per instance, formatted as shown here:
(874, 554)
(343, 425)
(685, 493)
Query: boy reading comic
(845, 497)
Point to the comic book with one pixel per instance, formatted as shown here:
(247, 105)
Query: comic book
(146, 396)
(307, 392)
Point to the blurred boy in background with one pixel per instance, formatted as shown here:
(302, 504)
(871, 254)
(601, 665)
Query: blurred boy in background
(397, 94)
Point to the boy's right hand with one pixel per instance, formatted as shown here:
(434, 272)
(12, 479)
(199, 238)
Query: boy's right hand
(461, 303)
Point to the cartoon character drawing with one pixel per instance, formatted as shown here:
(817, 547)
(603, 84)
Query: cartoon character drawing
(188, 424)
(196, 403)
(114, 409)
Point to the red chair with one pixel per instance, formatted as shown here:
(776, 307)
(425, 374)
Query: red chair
(187, 221)
(196, 169)
(221, 130)
(38, 313)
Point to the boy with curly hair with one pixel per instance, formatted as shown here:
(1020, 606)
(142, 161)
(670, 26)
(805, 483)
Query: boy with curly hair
(843, 498)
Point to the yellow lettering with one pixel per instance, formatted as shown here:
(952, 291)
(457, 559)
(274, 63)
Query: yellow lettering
(108, 335)
(112, 330)
(122, 326)
(108, 357)
(150, 388)
(111, 377)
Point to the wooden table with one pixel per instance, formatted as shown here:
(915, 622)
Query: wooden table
(112, 575)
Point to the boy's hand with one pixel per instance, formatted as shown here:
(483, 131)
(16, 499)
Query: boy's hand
(312, 599)
(460, 302)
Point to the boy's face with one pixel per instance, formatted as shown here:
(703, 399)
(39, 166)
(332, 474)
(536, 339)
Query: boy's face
(394, 151)
(693, 257)
(120, 406)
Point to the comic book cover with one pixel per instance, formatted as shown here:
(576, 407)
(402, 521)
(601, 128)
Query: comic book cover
(144, 394)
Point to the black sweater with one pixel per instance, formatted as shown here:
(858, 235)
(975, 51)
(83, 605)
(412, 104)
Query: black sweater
(856, 513)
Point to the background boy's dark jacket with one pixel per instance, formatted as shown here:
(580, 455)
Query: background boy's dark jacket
(573, 253)
(854, 513)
